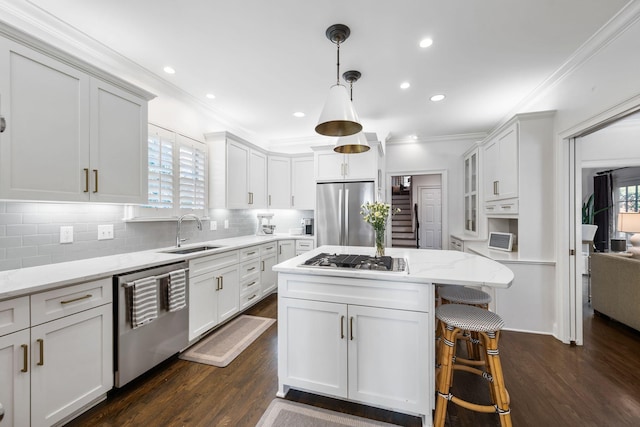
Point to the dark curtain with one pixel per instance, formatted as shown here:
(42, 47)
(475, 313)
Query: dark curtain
(602, 199)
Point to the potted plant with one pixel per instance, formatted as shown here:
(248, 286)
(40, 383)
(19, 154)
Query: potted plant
(588, 227)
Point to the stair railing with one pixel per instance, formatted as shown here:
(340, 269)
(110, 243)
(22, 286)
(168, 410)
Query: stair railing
(417, 225)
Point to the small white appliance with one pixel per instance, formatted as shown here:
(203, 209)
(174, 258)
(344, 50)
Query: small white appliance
(501, 241)
(265, 228)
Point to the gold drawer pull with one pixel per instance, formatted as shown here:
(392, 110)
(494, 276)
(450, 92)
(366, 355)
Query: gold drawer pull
(86, 180)
(251, 269)
(351, 327)
(69, 301)
(25, 358)
(41, 342)
(251, 297)
(341, 327)
(95, 174)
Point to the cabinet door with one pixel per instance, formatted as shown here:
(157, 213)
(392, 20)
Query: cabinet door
(203, 304)
(14, 378)
(237, 175)
(329, 165)
(44, 150)
(387, 354)
(279, 182)
(268, 277)
(71, 364)
(286, 249)
(118, 145)
(228, 292)
(303, 185)
(362, 165)
(508, 163)
(258, 179)
(312, 343)
(490, 156)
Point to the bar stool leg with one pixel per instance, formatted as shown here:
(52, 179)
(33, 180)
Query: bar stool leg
(499, 392)
(445, 360)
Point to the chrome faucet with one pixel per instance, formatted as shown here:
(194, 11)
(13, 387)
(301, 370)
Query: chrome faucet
(178, 239)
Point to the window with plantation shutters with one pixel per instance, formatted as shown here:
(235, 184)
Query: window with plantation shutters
(192, 175)
(177, 178)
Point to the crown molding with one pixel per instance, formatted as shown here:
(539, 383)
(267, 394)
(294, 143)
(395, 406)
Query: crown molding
(476, 136)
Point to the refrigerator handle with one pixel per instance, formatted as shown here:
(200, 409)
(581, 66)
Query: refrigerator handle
(340, 217)
(346, 217)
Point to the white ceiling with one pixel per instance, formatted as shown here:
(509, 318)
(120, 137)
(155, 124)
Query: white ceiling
(266, 59)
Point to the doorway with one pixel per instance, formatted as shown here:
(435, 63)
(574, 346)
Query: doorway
(430, 215)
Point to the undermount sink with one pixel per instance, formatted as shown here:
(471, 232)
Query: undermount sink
(190, 250)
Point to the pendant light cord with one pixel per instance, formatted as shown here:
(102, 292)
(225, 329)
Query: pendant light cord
(338, 62)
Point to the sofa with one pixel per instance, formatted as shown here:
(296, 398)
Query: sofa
(615, 287)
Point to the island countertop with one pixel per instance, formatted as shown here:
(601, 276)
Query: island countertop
(424, 266)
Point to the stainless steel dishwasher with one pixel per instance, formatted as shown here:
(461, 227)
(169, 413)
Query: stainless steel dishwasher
(136, 350)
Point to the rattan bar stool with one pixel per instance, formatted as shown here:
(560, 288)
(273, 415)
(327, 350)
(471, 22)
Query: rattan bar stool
(454, 318)
(454, 294)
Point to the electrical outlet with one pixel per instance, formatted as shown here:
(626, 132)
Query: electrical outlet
(213, 225)
(226, 223)
(105, 232)
(66, 234)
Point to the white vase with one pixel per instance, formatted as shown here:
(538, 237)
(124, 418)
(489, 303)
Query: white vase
(588, 232)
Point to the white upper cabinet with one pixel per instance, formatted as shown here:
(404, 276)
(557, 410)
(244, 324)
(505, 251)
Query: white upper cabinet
(279, 170)
(69, 136)
(303, 184)
(238, 173)
(332, 166)
(501, 165)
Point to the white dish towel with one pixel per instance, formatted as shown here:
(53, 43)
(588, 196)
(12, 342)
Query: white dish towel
(177, 290)
(144, 306)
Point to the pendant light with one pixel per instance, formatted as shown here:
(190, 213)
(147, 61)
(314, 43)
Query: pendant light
(338, 118)
(356, 143)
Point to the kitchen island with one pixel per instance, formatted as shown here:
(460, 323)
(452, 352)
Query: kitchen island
(368, 336)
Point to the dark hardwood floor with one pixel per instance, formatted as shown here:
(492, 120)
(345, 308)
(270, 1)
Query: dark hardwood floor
(550, 384)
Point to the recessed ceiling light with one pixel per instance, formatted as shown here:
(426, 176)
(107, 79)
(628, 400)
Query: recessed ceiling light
(426, 43)
(405, 85)
(299, 114)
(436, 98)
(169, 70)
(414, 137)
(211, 96)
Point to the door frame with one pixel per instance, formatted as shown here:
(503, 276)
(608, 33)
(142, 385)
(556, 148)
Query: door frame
(569, 313)
(445, 197)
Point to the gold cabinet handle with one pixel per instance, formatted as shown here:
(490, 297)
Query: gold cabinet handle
(351, 327)
(262, 266)
(251, 297)
(218, 283)
(269, 199)
(86, 180)
(76, 299)
(25, 358)
(292, 201)
(221, 282)
(251, 253)
(40, 341)
(95, 175)
(3, 124)
(251, 269)
(341, 327)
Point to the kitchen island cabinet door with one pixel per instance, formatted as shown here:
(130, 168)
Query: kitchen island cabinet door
(14, 379)
(71, 364)
(387, 354)
(312, 343)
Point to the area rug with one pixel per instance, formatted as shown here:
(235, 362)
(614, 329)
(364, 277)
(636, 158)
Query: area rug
(284, 413)
(225, 344)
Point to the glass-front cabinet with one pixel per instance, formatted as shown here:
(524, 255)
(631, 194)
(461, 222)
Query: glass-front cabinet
(471, 192)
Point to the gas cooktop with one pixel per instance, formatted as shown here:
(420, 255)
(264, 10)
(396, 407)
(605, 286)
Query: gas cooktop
(360, 262)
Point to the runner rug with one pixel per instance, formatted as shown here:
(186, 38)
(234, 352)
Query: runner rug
(225, 344)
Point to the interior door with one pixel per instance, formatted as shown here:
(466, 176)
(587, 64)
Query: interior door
(431, 218)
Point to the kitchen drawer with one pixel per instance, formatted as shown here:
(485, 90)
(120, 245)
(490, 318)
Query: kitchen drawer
(250, 285)
(250, 298)
(268, 249)
(505, 207)
(303, 245)
(249, 269)
(249, 253)
(210, 263)
(456, 244)
(14, 315)
(57, 303)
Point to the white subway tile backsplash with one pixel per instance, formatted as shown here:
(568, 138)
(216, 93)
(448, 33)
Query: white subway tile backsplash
(30, 231)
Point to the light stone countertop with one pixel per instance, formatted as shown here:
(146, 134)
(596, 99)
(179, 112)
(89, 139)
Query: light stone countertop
(425, 266)
(25, 281)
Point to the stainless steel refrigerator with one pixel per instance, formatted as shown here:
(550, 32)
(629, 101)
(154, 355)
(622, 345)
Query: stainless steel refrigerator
(338, 219)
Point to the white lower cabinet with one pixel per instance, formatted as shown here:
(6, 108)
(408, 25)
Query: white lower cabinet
(15, 378)
(214, 291)
(71, 364)
(286, 250)
(372, 355)
(57, 355)
(268, 277)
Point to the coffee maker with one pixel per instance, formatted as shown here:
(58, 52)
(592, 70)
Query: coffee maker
(307, 226)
